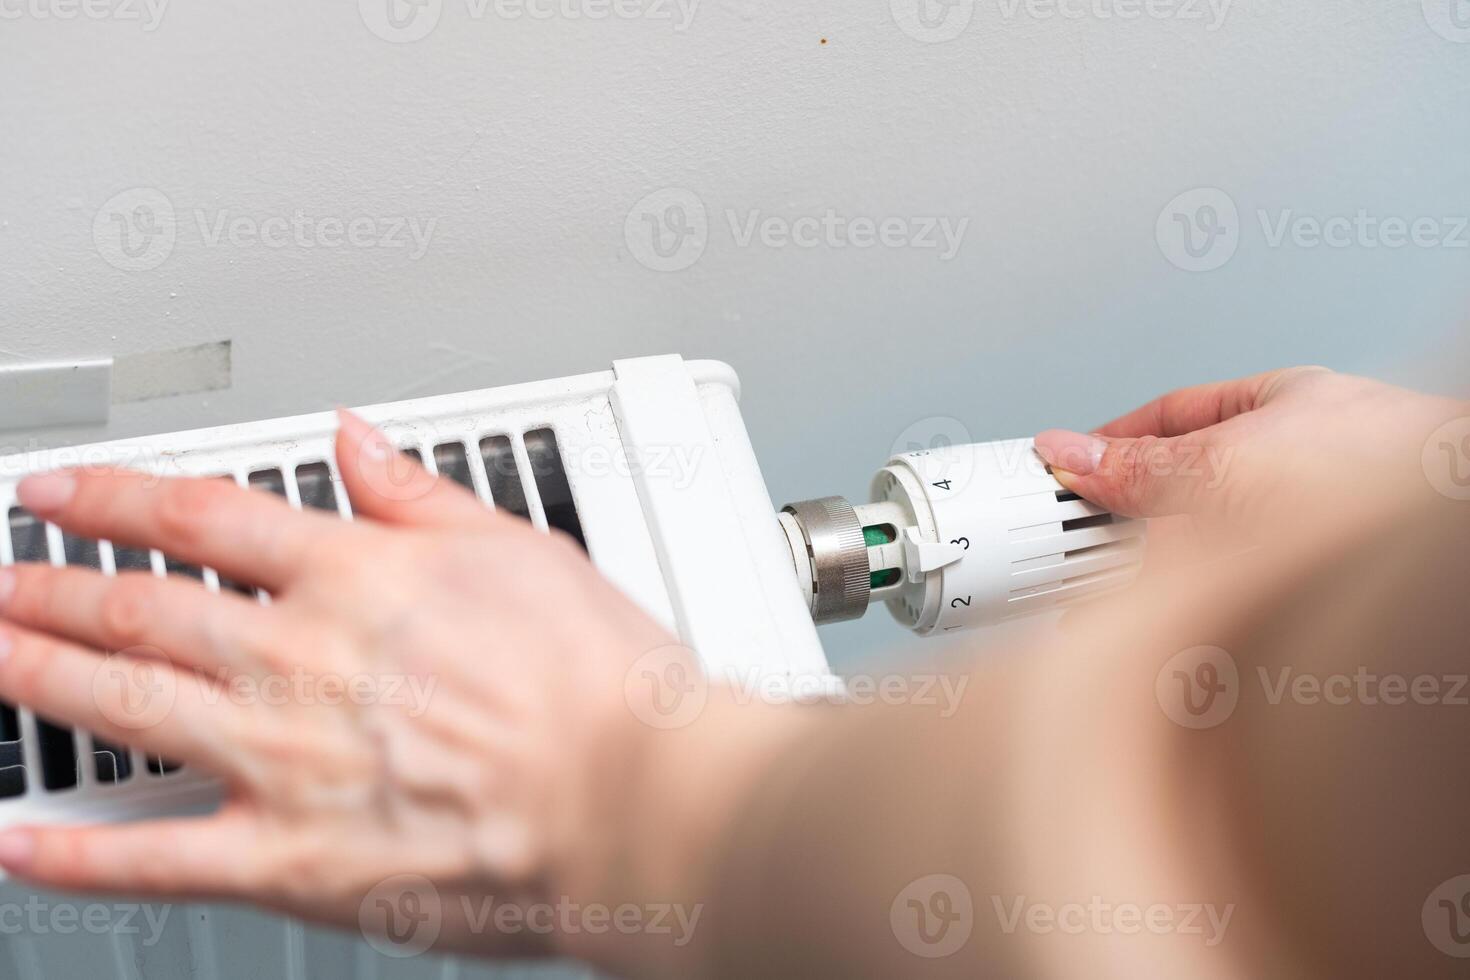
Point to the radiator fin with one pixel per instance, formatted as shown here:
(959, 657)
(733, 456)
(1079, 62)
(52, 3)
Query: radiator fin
(507, 492)
(12, 762)
(315, 487)
(549, 469)
(453, 462)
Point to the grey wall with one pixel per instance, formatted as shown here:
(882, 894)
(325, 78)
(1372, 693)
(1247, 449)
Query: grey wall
(527, 142)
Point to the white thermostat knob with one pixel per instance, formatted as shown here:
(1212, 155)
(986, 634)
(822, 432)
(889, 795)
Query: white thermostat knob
(970, 535)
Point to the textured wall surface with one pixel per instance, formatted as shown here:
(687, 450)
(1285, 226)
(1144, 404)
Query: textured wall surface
(378, 200)
(522, 139)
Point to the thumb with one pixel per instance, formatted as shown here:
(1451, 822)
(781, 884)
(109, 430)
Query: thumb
(1148, 476)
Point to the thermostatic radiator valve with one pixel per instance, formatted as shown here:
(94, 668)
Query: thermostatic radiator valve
(957, 537)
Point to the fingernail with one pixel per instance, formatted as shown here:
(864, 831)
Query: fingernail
(7, 586)
(374, 444)
(1071, 451)
(45, 493)
(17, 847)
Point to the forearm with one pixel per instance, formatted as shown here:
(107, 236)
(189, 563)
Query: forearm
(1013, 839)
(863, 841)
(880, 807)
(666, 810)
(839, 840)
(1341, 751)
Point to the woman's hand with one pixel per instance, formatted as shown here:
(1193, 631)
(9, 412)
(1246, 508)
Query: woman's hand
(435, 688)
(1249, 458)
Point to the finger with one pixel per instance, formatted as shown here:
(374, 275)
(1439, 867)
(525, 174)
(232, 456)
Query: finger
(388, 486)
(187, 858)
(191, 625)
(133, 698)
(247, 535)
(1144, 477)
(1191, 409)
